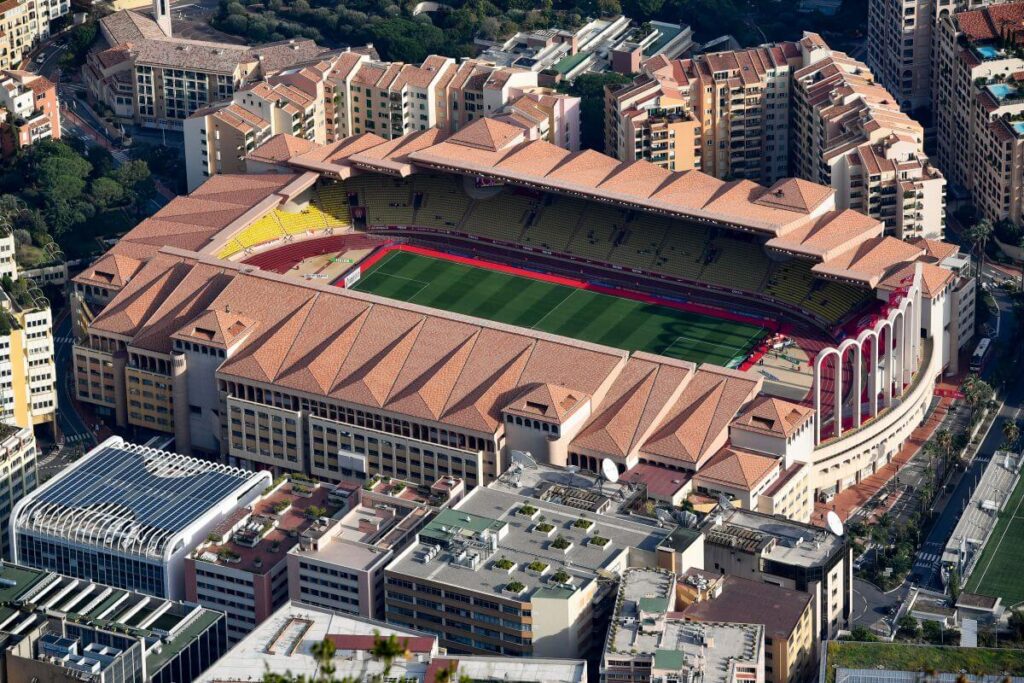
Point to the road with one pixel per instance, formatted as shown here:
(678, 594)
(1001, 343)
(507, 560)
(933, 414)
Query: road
(72, 426)
(926, 564)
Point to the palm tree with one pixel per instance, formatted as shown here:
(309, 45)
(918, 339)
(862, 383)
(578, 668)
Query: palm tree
(324, 654)
(1011, 434)
(944, 443)
(979, 234)
(387, 649)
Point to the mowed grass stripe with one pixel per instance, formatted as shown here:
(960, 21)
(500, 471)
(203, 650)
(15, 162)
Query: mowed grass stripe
(558, 309)
(998, 571)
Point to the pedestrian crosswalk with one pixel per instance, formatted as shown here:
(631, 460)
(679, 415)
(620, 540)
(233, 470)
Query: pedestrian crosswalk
(77, 438)
(66, 339)
(121, 156)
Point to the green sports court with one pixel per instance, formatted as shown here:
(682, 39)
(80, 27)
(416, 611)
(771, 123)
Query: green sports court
(559, 309)
(998, 571)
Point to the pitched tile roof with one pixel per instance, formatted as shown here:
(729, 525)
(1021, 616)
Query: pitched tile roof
(742, 470)
(769, 415)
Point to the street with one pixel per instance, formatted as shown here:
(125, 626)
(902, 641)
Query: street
(72, 427)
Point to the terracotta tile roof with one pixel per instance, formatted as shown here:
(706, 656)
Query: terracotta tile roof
(354, 347)
(111, 270)
(737, 469)
(987, 23)
(281, 147)
(697, 424)
(549, 402)
(774, 416)
(936, 248)
(832, 233)
(487, 134)
(933, 278)
(795, 194)
(661, 482)
(639, 397)
(870, 261)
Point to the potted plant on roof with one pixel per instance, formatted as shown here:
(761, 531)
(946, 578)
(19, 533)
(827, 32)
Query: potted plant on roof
(527, 510)
(504, 565)
(583, 524)
(561, 543)
(514, 588)
(561, 576)
(599, 542)
(537, 568)
(545, 528)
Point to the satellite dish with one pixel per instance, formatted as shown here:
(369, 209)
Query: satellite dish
(835, 525)
(524, 458)
(610, 470)
(724, 502)
(664, 516)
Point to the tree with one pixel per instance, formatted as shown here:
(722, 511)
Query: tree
(909, 627)
(107, 192)
(862, 634)
(590, 88)
(979, 234)
(933, 632)
(944, 445)
(1011, 435)
(387, 649)
(977, 393)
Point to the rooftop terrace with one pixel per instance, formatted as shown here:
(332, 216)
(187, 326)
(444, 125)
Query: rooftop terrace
(778, 539)
(494, 538)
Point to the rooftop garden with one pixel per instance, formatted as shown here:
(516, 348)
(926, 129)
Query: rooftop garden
(544, 527)
(561, 543)
(527, 510)
(599, 541)
(924, 658)
(504, 564)
(537, 566)
(515, 587)
(561, 576)
(582, 523)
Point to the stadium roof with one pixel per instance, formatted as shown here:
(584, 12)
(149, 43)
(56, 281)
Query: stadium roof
(130, 499)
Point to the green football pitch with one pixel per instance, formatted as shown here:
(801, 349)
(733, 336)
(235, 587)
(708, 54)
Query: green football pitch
(559, 309)
(998, 571)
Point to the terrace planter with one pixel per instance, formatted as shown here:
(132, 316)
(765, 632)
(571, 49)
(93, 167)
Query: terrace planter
(544, 529)
(513, 589)
(537, 568)
(562, 545)
(528, 511)
(599, 542)
(503, 565)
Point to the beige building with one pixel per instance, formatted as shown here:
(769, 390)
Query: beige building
(787, 615)
(217, 140)
(795, 556)
(979, 105)
(849, 133)
(23, 23)
(19, 475)
(725, 113)
(503, 574)
(171, 78)
(648, 642)
(341, 565)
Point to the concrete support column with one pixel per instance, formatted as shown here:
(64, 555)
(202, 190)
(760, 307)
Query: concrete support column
(179, 394)
(120, 364)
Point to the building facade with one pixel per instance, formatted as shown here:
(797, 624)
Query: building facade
(59, 628)
(32, 110)
(19, 475)
(23, 23)
(138, 546)
(725, 113)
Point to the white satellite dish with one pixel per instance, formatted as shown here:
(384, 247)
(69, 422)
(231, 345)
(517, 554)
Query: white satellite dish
(610, 470)
(724, 502)
(572, 470)
(664, 516)
(835, 525)
(525, 459)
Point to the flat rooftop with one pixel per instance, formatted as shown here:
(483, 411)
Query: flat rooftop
(285, 640)
(514, 520)
(347, 545)
(263, 535)
(777, 538)
(582, 490)
(131, 499)
(171, 625)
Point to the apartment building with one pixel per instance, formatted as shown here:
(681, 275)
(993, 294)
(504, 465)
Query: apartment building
(648, 642)
(271, 648)
(128, 515)
(28, 375)
(790, 642)
(63, 628)
(902, 44)
(848, 132)
(217, 140)
(167, 79)
(793, 108)
(29, 111)
(342, 568)
(979, 105)
(785, 553)
(19, 475)
(503, 574)
(241, 568)
(725, 113)
(23, 23)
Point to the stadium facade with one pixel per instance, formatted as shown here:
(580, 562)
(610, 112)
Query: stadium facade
(183, 326)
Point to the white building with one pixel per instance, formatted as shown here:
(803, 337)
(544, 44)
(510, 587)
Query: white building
(128, 516)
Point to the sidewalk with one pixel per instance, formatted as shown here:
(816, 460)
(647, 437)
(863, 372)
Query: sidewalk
(850, 500)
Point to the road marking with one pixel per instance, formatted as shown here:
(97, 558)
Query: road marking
(553, 309)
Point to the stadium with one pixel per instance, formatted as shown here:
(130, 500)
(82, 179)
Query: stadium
(758, 342)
